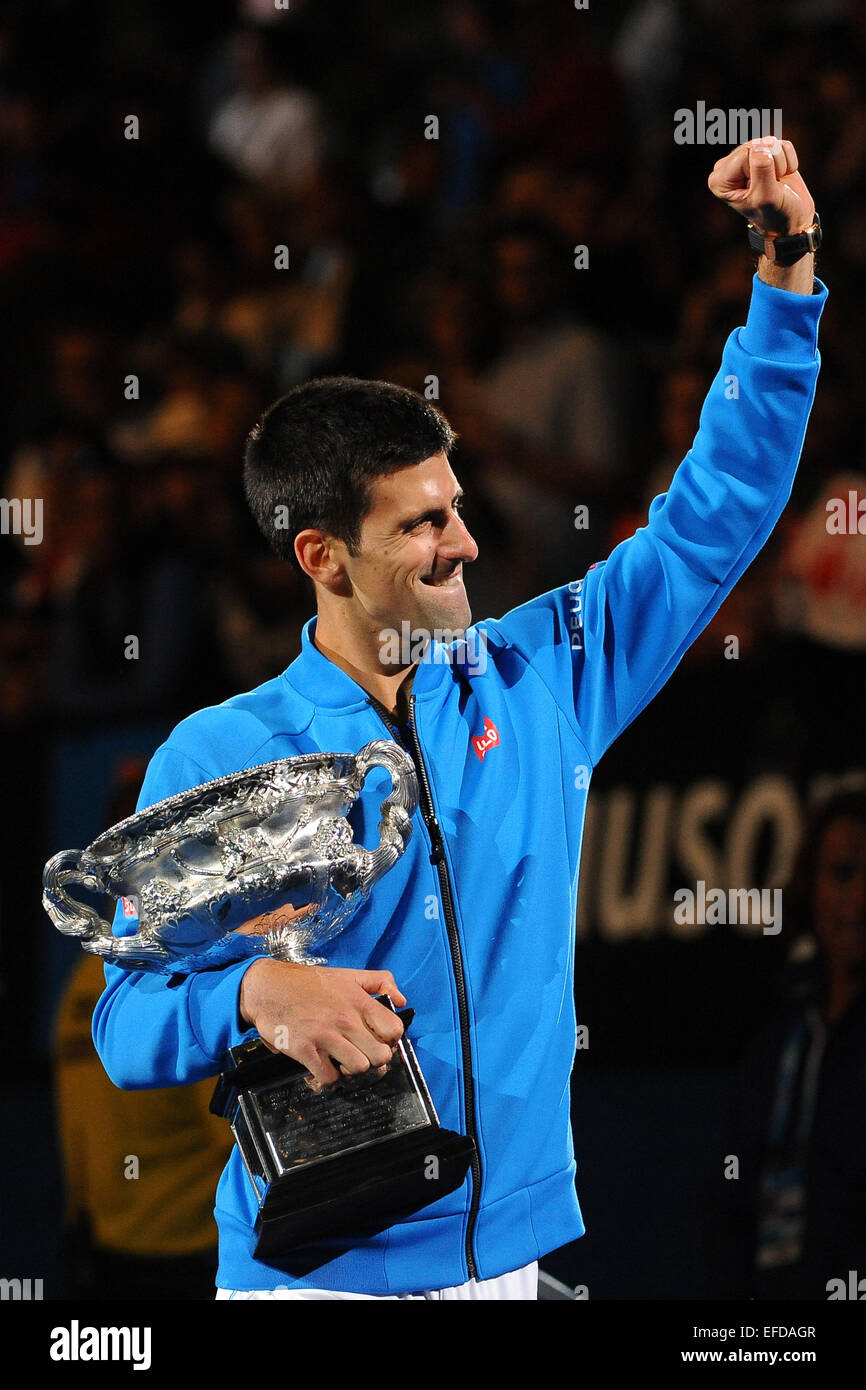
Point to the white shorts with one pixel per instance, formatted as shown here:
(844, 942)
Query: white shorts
(519, 1284)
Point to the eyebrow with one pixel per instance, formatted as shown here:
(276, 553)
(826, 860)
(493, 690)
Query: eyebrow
(432, 514)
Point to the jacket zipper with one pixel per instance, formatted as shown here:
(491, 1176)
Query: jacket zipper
(437, 857)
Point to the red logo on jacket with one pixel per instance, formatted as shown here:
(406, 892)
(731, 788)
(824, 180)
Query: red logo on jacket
(489, 739)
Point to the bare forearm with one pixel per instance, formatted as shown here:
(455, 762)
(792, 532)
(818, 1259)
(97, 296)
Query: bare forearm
(798, 278)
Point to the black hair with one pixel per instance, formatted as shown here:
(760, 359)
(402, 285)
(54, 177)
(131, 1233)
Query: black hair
(311, 458)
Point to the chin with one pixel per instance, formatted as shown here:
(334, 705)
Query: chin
(444, 611)
(453, 619)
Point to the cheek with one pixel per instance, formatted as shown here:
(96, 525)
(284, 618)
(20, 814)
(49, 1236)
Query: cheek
(381, 570)
(415, 561)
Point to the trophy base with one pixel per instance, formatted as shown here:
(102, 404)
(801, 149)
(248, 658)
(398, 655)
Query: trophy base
(366, 1192)
(333, 1168)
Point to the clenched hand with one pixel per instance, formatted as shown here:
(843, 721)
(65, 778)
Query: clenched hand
(322, 1015)
(761, 181)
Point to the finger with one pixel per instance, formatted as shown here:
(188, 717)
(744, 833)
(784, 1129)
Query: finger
(372, 1071)
(356, 1052)
(731, 173)
(790, 156)
(325, 1073)
(763, 185)
(383, 1024)
(373, 1047)
(780, 159)
(381, 982)
(320, 1068)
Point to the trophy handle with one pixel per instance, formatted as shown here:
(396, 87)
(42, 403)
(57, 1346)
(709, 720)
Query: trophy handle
(395, 827)
(68, 915)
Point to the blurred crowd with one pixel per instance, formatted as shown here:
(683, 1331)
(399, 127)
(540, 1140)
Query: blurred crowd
(203, 205)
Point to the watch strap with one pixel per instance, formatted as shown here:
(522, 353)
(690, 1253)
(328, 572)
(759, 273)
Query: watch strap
(786, 250)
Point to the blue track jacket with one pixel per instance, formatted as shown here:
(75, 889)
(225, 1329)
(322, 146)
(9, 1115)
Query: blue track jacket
(477, 920)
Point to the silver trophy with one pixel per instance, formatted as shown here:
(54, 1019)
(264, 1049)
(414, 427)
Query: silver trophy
(263, 863)
(199, 865)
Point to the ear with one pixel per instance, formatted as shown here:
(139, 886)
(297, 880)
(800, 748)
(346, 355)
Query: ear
(321, 557)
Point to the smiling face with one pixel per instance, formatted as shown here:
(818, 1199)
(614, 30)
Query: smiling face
(413, 545)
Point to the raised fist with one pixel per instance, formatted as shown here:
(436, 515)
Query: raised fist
(760, 181)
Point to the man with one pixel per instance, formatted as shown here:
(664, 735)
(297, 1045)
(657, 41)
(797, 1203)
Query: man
(474, 927)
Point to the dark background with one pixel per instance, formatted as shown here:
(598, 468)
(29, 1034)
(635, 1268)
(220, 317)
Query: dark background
(155, 257)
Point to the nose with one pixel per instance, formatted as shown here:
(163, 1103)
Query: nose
(456, 542)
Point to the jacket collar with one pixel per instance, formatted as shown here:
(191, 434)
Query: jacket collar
(328, 686)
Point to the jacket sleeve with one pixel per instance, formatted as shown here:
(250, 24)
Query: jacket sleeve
(605, 645)
(149, 1033)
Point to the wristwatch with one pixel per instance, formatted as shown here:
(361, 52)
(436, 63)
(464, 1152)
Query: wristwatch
(786, 250)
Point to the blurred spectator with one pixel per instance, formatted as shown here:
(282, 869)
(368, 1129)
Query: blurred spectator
(574, 108)
(554, 382)
(393, 226)
(260, 607)
(141, 1169)
(825, 566)
(129, 641)
(545, 414)
(269, 130)
(648, 53)
(794, 1217)
(479, 81)
(682, 394)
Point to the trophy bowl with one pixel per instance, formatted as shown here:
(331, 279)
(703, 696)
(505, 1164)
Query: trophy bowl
(197, 866)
